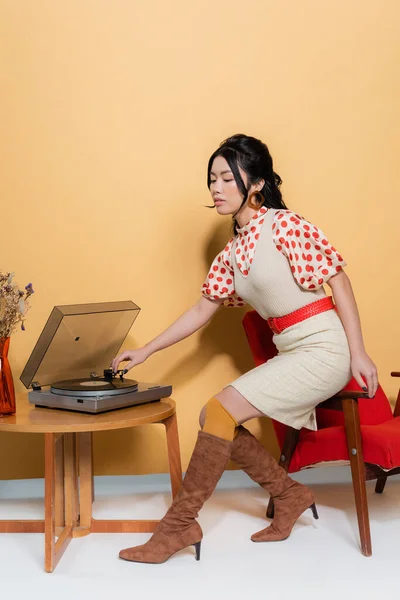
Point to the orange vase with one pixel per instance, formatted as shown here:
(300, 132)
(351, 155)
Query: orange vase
(7, 393)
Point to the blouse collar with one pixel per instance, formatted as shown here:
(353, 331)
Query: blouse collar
(245, 230)
(246, 241)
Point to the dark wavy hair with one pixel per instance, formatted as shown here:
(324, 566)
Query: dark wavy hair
(253, 156)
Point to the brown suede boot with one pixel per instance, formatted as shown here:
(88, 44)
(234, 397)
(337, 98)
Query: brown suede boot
(178, 529)
(291, 499)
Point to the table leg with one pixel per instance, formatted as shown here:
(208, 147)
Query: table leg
(59, 492)
(85, 483)
(55, 549)
(174, 455)
(91, 442)
(87, 523)
(70, 480)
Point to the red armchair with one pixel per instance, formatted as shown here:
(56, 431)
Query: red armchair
(351, 427)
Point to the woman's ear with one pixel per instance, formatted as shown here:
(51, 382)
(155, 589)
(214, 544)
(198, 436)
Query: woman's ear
(259, 185)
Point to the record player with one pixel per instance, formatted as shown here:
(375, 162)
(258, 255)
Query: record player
(69, 365)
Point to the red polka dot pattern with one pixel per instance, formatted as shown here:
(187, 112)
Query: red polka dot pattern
(219, 283)
(313, 260)
(246, 240)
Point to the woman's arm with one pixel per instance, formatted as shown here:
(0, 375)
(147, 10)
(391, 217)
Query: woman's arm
(189, 322)
(362, 367)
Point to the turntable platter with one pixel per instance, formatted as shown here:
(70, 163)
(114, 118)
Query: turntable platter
(94, 387)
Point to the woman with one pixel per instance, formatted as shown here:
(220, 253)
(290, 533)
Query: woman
(278, 263)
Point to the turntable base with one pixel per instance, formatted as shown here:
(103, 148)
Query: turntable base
(94, 404)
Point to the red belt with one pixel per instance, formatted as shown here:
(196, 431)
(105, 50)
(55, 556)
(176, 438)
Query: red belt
(278, 324)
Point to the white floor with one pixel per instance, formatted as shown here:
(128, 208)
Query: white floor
(321, 559)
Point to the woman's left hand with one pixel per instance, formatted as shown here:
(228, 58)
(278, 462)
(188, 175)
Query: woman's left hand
(364, 372)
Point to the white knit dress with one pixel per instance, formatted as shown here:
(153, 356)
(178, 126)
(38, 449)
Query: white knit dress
(278, 263)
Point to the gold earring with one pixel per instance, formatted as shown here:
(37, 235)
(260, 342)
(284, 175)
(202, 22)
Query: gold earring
(255, 201)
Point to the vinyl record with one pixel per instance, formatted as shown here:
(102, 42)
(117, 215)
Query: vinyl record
(94, 387)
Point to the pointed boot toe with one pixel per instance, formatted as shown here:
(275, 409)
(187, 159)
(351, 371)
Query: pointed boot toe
(289, 506)
(136, 554)
(124, 554)
(165, 542)
(269, 534)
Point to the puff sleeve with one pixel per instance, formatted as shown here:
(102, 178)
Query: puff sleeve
(312, 258)
(219, 283)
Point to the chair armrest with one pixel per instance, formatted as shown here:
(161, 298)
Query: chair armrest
(351, 394)
(335, 403)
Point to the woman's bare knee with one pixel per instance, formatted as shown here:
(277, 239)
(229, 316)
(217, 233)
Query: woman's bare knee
(237, 405)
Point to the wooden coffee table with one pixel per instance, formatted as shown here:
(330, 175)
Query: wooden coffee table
(68, 455)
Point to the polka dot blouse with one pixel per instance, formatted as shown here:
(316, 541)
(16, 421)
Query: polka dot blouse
(313, 260)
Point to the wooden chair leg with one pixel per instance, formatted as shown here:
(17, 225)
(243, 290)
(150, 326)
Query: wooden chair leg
(380, 485)
(289, 445)
(270, 509)
(353, 435)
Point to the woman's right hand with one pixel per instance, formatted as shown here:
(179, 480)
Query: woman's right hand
(135, 357)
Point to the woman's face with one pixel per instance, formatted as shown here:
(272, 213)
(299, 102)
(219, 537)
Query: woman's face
(224, 190)
(223, 187)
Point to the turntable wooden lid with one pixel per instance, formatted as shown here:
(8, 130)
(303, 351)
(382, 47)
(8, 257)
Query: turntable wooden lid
(30, 419)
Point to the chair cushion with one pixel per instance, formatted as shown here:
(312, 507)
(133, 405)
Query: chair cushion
(323, 445)
(381, 443)
(381, 446)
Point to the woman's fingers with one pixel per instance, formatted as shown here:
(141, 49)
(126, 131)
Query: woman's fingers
(376, 383)
(358, 377)
(370, 385)
(365, 373)
(118, 359)
(135, 357)
(367, 381)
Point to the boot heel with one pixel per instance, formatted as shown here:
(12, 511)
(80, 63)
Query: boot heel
(197, 547)
(314, 511)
